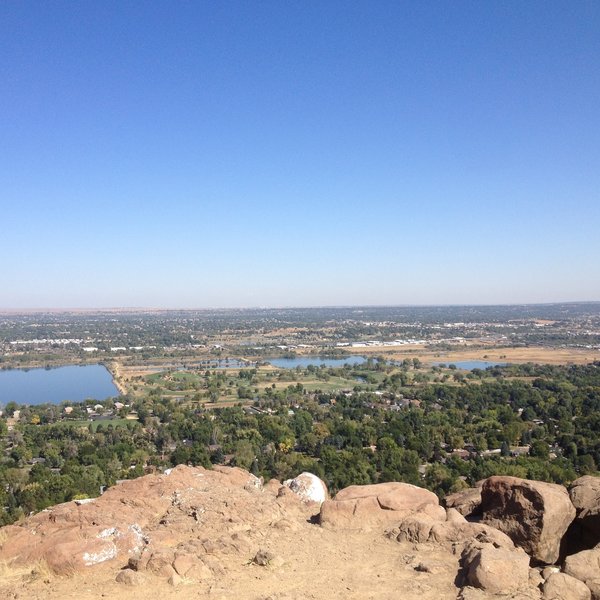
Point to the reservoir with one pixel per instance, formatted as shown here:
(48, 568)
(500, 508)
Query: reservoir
(316, 361)
(40, 386)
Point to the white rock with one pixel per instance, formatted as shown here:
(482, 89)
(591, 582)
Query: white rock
(309, 487)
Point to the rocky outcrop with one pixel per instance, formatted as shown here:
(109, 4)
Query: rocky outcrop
(420, 527)
(223, 533)
(365, 506)
(585, 496)
(564, 587)
(308, 487)
(534, 514)
(136, 518)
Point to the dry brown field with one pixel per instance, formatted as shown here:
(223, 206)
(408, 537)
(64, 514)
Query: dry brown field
(542, 355)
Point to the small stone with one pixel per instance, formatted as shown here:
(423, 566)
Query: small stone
(183, 563)
(129, 577)
(263, 558)
(428, 567)
(175, 580)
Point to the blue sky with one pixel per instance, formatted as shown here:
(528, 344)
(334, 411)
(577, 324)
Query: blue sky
(203, 154)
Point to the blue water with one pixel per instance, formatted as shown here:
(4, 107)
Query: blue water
(469, 365)
(223, 363)
(216, 363)
(40, 386)
(317, 361)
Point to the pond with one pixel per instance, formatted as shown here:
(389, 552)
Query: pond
(39, 386)
(469, 365)
(212, 363)
(316, 361)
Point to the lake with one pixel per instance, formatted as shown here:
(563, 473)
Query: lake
(213, 363)
(316, 361)
(40, 386)
(469, 365)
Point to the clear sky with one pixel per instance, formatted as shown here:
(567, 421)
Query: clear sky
(218, 154)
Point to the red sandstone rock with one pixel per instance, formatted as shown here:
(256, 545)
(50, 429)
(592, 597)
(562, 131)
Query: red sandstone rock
(534, 514)
(497, 570)
(361, 506)
(127, 517)
(584, 565)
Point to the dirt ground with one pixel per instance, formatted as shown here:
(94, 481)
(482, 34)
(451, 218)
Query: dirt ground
(227, 520)
(317, 564)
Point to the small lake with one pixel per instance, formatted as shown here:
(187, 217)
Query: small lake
(216, 363)
(316, 361)
(225, 363)
(40, 386)
(469, 365)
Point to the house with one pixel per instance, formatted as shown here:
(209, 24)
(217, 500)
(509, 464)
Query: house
(519, 450)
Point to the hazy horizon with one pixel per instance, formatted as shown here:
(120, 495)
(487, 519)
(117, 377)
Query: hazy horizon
(322, 154)
(274, 307)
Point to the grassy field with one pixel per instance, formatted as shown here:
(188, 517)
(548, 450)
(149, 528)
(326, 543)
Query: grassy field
(189, 384)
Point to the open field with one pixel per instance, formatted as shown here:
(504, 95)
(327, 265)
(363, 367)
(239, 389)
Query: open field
(193, 384)
(542, 355)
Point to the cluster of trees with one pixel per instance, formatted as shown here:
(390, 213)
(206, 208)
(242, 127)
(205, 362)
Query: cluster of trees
(409, 431)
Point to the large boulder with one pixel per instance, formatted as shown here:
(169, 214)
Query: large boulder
(534, 514)
(584, 565)
(308, 487)
(496, 570)
(365, 506)
(560, 586)
(585, 496)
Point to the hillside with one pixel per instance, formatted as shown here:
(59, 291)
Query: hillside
(196, 533)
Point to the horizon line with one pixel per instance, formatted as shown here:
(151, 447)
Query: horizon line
(133, 309)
